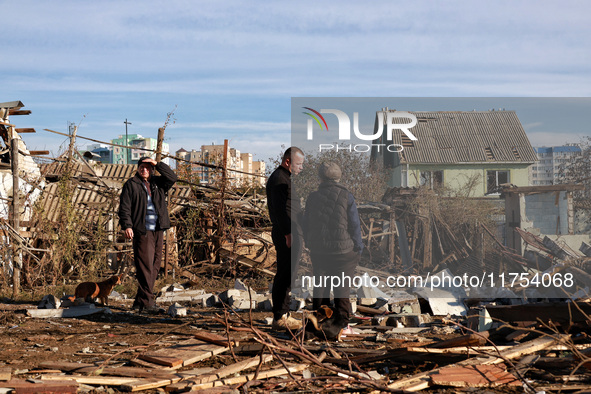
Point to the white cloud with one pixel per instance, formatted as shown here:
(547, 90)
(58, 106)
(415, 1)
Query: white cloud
(124, 59)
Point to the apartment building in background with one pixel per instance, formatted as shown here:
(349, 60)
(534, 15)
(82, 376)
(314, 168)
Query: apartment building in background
(551, 160)
(246, 168)
(137, 144)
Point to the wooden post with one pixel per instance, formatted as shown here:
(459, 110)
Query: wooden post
(428, 241)
(16, 258)
(392, 238)
(221, 216)
(159, 142)
(72, 142)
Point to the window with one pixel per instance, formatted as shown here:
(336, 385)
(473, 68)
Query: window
(404, 177)
(494, 179)
(432, 179)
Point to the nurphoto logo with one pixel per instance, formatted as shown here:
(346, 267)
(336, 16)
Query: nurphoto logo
(344, 130)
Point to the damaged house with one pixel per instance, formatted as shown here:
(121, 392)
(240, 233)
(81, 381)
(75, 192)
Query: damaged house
(483, 149)
(28, 177)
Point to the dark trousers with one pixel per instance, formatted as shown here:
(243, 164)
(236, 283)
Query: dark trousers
(334, 265)
(287, 266)
(147, 256)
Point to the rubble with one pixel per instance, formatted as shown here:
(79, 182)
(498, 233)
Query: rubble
(405, 337)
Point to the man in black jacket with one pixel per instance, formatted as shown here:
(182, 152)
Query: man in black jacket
(332, 232)
(284, 210)
(143, 216)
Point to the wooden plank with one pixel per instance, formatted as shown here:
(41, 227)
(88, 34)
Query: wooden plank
(474, 376)
(64, 365)
(245, 261)
(245, 378)
(38, 152)
(370, 311)
(5, 373)
(147, 384)
(184, 353)
(464, 340)
(131, 372)
(458, 349)
(213, 338)
(163, 359)
(57, 386)
(219, 374)
(422, 380)
(130, 384)
(25, 130)
(149, 365)
(19, 112)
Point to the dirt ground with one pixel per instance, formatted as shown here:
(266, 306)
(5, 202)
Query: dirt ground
(119, 336)
(29, 345)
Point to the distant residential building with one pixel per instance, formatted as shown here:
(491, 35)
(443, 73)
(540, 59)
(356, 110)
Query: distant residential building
(235, 160)
(100, 152)
(551, 160)
(137, 144)
(259, 168)
(194, 156)
(123, 155)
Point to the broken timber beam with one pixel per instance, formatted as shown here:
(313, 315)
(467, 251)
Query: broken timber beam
(422, 380)
(245, 261)
(238, 367)
(245, 378)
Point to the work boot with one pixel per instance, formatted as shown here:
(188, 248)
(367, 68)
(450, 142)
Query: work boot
(287, 322)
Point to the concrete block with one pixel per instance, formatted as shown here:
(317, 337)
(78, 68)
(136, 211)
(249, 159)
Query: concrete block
(212, 300)
(367, 301)
(49, 302)
(243, 304)
(227, 294)
(408, 320)
(240, 285)
(176, 310)
(173, 287)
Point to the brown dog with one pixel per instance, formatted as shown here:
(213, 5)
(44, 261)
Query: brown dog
(323, 325)
(100, 290)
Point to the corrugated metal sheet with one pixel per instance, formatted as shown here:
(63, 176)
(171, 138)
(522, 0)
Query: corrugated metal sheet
(463, 137)
(90, 201)
(91, 198)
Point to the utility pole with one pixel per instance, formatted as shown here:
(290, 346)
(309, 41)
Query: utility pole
(126, 142)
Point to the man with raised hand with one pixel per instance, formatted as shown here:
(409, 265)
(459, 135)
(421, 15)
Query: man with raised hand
(143, 216)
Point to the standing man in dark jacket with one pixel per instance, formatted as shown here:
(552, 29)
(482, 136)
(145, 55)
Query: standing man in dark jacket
(143, 216)
(284, 211)
(333, 234)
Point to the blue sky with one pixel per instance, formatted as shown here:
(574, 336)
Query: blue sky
(232, 67)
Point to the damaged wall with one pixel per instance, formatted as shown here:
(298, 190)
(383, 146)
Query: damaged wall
(30, 180)
(542, 211)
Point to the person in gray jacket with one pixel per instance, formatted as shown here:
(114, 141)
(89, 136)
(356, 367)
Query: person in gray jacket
(332, 232)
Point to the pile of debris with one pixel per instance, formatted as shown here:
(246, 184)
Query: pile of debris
(401, 341)
(537, 347)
